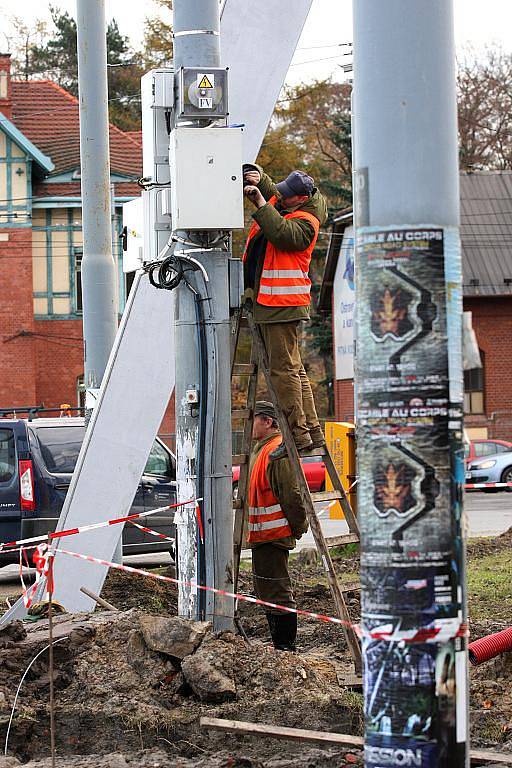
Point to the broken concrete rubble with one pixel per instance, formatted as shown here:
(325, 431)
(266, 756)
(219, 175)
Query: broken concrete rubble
(173, 635)
(209, 672)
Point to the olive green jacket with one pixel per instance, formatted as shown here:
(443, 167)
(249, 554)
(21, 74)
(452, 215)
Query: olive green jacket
(285, 488)
(287, 235)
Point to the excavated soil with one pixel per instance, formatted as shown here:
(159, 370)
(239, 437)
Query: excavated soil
(128, 697)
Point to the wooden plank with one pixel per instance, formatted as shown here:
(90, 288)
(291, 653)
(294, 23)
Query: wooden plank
(243, 369)
(326, 495)
(340, 541)
(238, 459)
(479, 755)
(319, 737)
(351, 586)
(281, 732)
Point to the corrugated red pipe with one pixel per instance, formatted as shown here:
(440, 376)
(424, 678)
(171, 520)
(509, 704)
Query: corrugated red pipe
(488, 647)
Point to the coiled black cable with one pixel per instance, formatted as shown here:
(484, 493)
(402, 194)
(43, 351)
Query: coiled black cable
(169, 273)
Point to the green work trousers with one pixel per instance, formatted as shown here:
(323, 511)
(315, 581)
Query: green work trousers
(270, 576)
(289, 378)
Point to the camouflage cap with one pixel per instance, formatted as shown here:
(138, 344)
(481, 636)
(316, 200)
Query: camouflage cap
(265, 408)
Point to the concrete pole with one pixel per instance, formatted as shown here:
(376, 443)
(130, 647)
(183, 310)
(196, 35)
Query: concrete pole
(409, 384)
(99, 282)
(197, 44)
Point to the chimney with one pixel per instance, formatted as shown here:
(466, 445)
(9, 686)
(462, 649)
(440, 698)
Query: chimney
(5, 85)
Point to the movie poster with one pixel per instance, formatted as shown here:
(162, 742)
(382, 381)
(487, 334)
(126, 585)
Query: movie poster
(409, 500)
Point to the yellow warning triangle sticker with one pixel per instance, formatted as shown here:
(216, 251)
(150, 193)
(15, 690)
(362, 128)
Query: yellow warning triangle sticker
(205, 82)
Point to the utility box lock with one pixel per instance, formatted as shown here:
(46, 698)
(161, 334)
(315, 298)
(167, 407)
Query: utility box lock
(202, 93)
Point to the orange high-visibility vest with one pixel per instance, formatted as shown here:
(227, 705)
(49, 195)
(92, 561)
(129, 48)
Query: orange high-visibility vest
(267, 521)
(284, 280)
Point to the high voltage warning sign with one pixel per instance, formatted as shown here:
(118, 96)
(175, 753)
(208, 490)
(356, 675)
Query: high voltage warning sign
(205, 81)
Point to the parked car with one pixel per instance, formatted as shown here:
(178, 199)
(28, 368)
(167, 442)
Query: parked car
(37, 459)
(476, 449)
(314, 472)
(495, 468)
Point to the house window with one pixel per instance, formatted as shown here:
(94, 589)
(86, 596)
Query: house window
(78, 253)
(474, 389)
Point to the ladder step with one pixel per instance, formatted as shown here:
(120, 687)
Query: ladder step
(241, 413)
(239, 458)
(244, 369)
(326, 495)
(340, 541)
(351, 586)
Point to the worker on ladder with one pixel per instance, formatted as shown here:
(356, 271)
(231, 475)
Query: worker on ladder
(276, 259)
(277, 518)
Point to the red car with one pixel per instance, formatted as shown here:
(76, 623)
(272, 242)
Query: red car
(475, 449)
(314, 471)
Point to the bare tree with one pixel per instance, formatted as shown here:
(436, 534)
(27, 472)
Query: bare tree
(21, 41)
(484, 107)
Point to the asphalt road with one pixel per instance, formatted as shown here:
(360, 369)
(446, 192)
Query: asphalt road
(488, 514)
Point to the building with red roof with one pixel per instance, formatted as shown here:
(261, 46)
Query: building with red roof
(41, 344)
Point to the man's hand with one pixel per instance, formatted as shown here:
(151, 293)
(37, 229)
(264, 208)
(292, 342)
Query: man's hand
(255, 196)
(252, 177)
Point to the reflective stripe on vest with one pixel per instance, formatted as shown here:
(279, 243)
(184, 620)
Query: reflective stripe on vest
(267, 521)
(284, 280)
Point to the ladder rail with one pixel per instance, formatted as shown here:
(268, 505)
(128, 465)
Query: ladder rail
(323, 549)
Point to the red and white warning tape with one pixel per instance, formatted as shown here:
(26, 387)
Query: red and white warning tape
(473, 486)
(440, 632)
(150, 531)
(92, 526)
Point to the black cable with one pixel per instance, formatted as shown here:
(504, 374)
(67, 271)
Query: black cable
(169, 273)
(203, 409)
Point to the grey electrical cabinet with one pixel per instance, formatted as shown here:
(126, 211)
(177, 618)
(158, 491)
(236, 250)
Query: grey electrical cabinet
(206, 178)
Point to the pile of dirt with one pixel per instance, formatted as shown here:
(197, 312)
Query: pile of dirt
(127, 681)
(131, 686)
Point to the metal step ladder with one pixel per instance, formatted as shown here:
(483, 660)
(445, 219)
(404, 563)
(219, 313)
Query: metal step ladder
(259, 363)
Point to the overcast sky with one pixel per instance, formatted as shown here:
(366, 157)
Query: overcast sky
(329, 24)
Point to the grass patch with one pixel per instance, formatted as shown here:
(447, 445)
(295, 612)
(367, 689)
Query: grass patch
(490, 586)
(344, 552)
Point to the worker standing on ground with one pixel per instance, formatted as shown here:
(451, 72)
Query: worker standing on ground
(276, 265)
(276, 519)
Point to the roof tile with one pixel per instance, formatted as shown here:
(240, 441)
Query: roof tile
(48, 116)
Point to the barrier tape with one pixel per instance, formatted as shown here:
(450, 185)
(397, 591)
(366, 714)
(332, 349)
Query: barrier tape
(92, 527)
(151, 531)
(442, 630)
(470, 486)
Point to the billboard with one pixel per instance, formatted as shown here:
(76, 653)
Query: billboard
(343, 308)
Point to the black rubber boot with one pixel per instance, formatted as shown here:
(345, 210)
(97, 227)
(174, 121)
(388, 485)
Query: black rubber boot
(283, 628)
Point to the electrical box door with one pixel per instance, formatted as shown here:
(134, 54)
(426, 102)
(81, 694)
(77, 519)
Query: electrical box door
(206, 178)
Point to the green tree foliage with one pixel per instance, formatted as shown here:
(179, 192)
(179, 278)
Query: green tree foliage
(157, 43)
(39, 52)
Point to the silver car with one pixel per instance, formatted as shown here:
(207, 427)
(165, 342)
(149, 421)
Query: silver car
(495, 468)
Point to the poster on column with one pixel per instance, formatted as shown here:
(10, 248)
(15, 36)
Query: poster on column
(406, 425)
(409, 433)
(343, 306)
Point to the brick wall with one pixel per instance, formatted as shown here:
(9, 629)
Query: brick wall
(17, 359)
(60, 361)
(344, 400)
(492, 322)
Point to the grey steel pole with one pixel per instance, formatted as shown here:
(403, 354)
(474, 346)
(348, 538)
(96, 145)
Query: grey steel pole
(197, 44)
(409, 384)
(99, 283)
